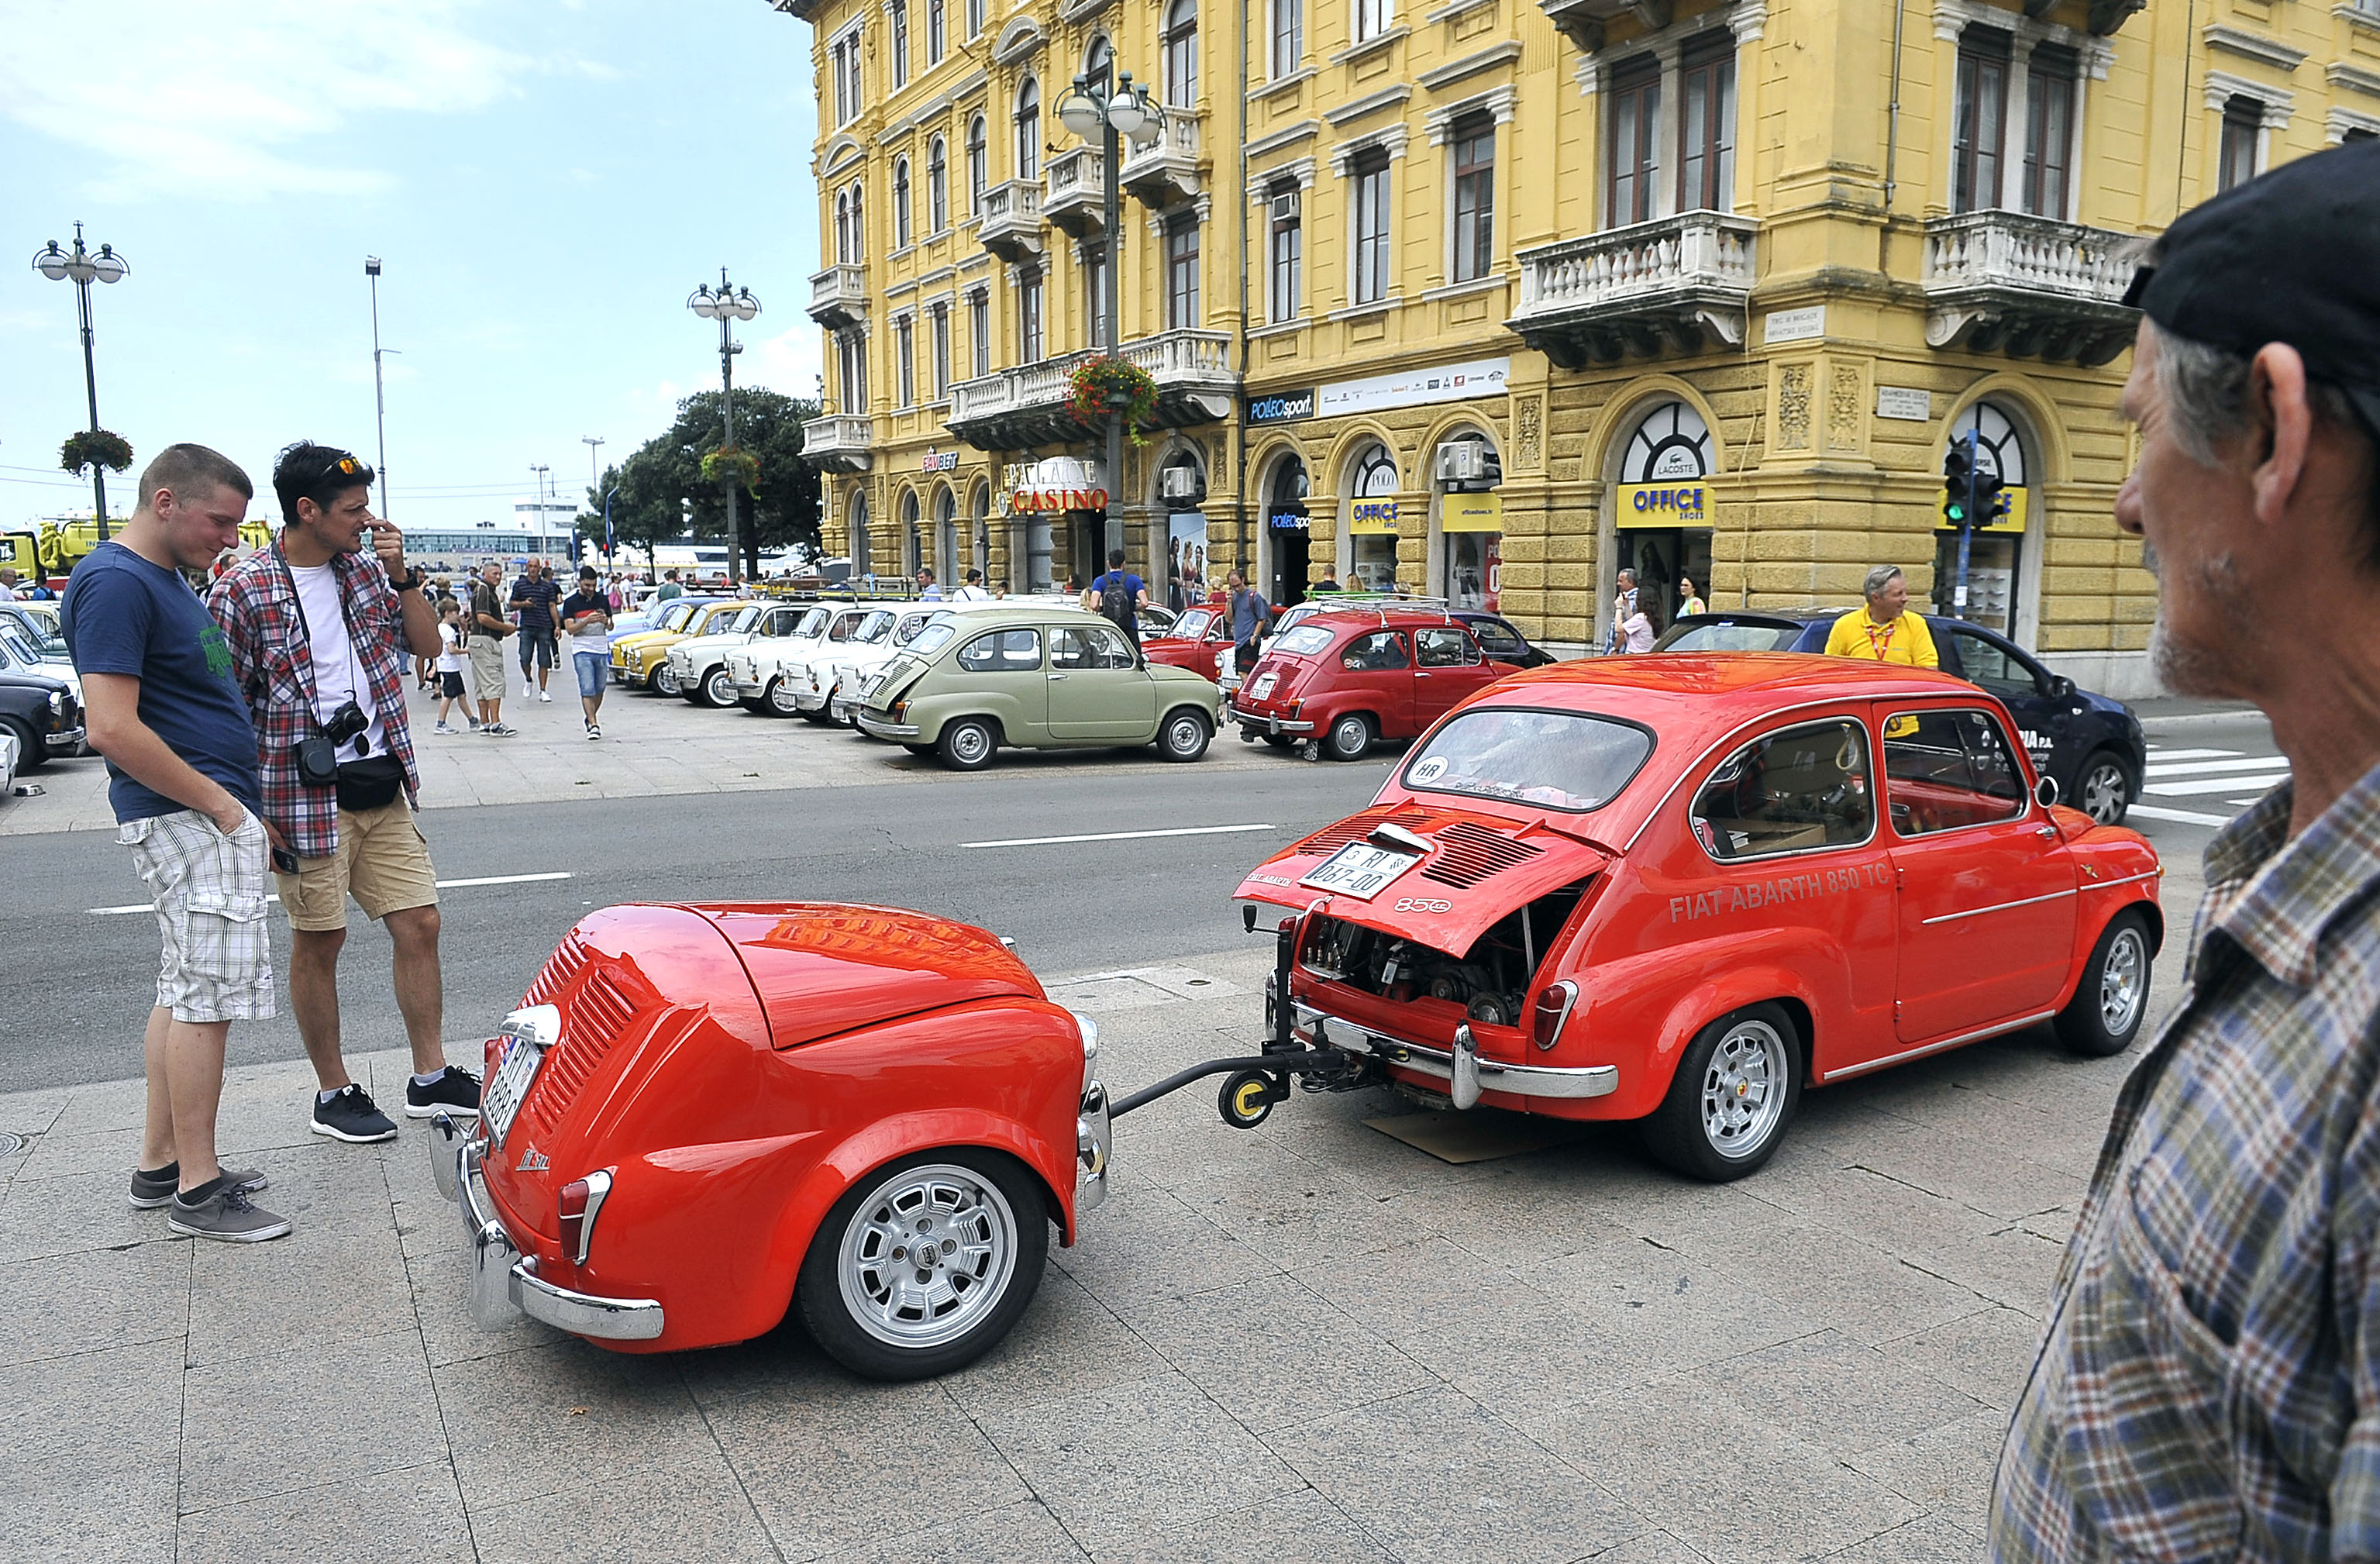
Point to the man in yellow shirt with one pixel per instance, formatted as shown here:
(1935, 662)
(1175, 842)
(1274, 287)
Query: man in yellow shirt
(1884, 631)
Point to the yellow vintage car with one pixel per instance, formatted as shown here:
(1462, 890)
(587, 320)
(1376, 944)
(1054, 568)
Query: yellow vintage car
(641, 662)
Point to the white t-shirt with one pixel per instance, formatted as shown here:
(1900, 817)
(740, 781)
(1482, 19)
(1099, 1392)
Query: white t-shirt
(449, 648)
(338, 672)
(594, 638)
(973, 595)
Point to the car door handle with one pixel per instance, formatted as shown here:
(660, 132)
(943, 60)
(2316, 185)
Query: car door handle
(2047, 833)
(1055, 677)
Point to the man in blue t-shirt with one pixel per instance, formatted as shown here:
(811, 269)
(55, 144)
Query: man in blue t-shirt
(159, 704)
(1119, 595)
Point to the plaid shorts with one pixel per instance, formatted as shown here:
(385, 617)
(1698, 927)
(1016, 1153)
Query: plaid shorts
(209, 892)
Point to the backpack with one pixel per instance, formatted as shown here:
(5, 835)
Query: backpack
(1115, 601)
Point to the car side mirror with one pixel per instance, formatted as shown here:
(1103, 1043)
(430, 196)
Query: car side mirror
(2045, 792)
(2060, 686)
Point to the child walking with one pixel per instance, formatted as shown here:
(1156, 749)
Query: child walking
(450, 667)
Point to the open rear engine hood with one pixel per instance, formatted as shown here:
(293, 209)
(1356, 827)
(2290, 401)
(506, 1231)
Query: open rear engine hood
(821, 968)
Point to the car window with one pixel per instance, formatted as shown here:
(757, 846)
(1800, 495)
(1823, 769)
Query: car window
(1991, 666)
(873, 628)
(1946, 769)
(1499, 638)
(814, 623)
(1003, 651)
(747, 620)
(1793, 792)
(1726, 636)
(1303, 641)
(1195, 623)
(679, 615)
(1569, 760)
(1445, 646)
(911, 628)
(843, 625)
(1381, 651)
(1090, 645)
(19, 645)
(933, 638)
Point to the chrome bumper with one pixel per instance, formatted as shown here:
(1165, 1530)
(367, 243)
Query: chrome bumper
(809, 700)
(1271, 724)
(1094, 1142)
(751, 691)
(66, 741)
(906, 733)
(503, 1280)
(843, 708)
(1465, 1073)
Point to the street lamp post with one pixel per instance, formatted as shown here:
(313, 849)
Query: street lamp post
(1112, 113)
(380, 401)
(537, 487)
(727, 306)
(595, 481)
(82, 268)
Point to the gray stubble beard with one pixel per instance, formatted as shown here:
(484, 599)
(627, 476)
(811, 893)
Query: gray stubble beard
(2207, 670)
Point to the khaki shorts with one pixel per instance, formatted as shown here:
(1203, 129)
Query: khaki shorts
(382, 862)
(487, 657)
(209, 892)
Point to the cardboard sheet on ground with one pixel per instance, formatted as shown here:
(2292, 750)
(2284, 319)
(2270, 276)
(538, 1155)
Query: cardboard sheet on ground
(1481, 1135)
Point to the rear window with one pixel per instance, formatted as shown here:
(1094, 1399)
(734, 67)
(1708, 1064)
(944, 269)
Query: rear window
(1725, 635)
(1569, 760)
(933, 638)
(1304, 641)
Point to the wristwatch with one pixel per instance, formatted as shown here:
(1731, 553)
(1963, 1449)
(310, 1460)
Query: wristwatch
(413, 581)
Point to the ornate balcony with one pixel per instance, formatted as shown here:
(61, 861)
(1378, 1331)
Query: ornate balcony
(840, 441)
(1673, 284)
(1166, 170)
(1010, 225)
(839, 296)
(2031, 287)
(1073, 189)
(1583, 21)
(1018, 408)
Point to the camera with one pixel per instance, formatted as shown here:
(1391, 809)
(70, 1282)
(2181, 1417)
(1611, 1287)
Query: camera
(317, 757)
(345, 722)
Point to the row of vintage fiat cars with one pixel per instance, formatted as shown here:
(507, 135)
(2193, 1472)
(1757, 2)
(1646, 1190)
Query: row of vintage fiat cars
(1675, 890)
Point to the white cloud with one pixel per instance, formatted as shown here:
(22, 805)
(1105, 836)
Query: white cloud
(205, 95)
(790, 362)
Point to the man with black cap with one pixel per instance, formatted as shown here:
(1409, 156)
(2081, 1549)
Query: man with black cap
(2209, 1382)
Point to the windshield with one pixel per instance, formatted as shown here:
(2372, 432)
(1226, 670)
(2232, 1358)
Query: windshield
(813, 623)
(16, 643)
(679, 615)
(1193, 624)
(873, 628)
(1566, 761)
(49, 642)
(747, 620)
(937, 634)
(1726, 635)
(911, 628)
(1304, 641)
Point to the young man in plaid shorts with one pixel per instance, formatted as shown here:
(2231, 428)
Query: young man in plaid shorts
(317, 630)
(181, 765)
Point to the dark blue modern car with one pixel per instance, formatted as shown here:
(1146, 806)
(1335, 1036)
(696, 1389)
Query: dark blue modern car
(1501, 638)
(2091, 745)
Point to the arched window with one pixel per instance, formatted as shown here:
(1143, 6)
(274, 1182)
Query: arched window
(901, 202)
(862, 563)
(1182, 54)
(946, 540)
(1376, 474)
(1371, 564)
(909, 533)
(842, 226)
(1098, 67)
(938, 185)
(979, 166)
(858, 223)
(1028, 130)
(1672, 442)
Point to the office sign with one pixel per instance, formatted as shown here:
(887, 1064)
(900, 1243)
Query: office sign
(1372, 518)
(1661, 504)
(1472, 513)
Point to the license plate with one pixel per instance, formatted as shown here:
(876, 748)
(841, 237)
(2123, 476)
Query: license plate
(509, 1087)
(1262, 687)
(1360, 870)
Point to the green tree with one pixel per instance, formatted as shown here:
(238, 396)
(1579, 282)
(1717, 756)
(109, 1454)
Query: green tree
(655, 482)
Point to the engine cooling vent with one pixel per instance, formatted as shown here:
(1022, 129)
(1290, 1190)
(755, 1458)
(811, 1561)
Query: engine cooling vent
(1468, 854)
(591, 1022)
(1329, 839)
(560, 968)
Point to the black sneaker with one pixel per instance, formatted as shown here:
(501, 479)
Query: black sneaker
(351, 1115)
(226, 1214)
(456, 1091)
(151, 1191)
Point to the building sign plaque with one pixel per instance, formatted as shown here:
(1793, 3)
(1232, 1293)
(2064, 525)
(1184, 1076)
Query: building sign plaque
(1908, 401)
(1412, 388)
(1281, 407)
(1661, 504)
(1795, 325)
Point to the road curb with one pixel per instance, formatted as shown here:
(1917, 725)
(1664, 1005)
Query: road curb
(2185, 721)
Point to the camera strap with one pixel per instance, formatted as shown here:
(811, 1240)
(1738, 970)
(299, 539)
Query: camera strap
(354, 662)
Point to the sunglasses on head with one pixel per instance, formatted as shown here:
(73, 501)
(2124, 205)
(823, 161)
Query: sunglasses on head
(344, 464)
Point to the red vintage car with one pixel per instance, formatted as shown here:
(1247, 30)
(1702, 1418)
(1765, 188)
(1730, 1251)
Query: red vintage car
(1350, 677)
(1679, 889)
(702, 1115)
(1196, 641)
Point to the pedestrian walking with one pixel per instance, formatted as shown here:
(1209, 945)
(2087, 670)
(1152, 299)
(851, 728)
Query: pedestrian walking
(1118, 596)
(162, 705)
(533, 599)
(318, 626)
(927, 592)
(669, 588)
(1688, 601)
(972, 589)
(1884, 631)
(2206, 1386)
(586, 619)
(1250, 614)
(1623, 611)
(450, 664)
(484, 649)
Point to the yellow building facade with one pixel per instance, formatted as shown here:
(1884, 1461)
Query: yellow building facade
(1491, 298)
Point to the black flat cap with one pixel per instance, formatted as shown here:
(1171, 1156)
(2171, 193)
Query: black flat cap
(2292, 256)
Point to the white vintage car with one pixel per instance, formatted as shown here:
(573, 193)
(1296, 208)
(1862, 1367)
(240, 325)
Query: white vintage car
(9, 752)
(836, 678)
(814, 680)
(752, 667)
(698, 667)
(782, 674)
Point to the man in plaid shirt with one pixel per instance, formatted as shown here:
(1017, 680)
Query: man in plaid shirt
(318, 632)
(2208, 1384)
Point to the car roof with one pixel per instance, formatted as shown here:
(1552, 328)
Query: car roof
(1383, 617)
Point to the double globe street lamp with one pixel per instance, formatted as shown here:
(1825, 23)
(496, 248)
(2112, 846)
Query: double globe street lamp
(83, 268)
(727, 305)
(1112, 113)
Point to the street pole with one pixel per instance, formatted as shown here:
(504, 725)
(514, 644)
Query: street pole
(537, 504)
(91, 389)
(380, 398)
(727, 411)
(1966, 531)
(594, 481)
(82, 267)
(1112, 307)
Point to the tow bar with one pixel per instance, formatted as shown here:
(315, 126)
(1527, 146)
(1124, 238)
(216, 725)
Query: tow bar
(1253, 1083)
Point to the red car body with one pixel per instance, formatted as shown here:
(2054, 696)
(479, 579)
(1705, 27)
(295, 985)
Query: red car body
(1193, 641)
(1349, 678)
(1552, 951)
(735, 1072)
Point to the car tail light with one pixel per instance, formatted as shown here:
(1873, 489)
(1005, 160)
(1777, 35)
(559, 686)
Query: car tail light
(581, 1201)
(1553, 1008)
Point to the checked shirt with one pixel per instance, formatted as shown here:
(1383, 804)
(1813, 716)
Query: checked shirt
(2206, 1387)
(256, 603)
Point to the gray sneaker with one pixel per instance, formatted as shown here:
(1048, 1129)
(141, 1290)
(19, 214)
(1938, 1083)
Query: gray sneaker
(149, 1193)
(227, 1216)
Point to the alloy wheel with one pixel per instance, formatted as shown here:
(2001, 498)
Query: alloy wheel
(2124, 981)
(1744, 1088)
(928, 1255)
(2104, 793)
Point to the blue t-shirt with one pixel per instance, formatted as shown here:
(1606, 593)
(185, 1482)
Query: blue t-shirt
(1132, 586)
(126, 615)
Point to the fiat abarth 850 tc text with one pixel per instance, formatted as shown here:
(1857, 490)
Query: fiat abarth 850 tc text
(1677, 889)
(703, 1115)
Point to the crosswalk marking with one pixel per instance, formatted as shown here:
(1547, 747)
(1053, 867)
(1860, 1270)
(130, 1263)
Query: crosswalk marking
(2157, 754)
(2179, 817)
(2229, 776)
(2205, 787)
(2160, 767)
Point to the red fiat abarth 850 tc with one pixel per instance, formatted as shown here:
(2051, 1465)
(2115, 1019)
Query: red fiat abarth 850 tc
(703, 1113)
(1679, 889)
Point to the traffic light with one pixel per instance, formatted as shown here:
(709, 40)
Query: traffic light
(1991, 503)
(1958, 482)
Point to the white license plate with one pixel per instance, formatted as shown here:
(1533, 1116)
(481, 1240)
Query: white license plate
(509, 1087)
(1360, 870)
(1263, 687)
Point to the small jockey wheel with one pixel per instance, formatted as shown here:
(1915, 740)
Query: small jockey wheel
(1247, 1098)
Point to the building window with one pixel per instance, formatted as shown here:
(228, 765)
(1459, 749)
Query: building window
(1031, 344)
(2243, 118)
(975, 15)
(2359, 133)
(843, 250)
(1095, 293)
(1371, 18)
(1369, 265)
(851, 370)
(901, 234)
(979, 166)
(1287, 251)
(1288, 36)
(1182, 272)
(905, 338)
(1182, 54)
(1028, 130)
(2049, 131)
(1098, 67)
(937, 33)
(899, 11)
(938, 185)
(942, 315)
(844, 61)
(1635, 105)
(1981, 120)
(979, 331)
(1706, 132)
(1475, 196)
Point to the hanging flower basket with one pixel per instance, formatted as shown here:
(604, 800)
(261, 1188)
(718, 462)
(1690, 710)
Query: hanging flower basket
(1097, 387)
(95, 447)
(733, 464)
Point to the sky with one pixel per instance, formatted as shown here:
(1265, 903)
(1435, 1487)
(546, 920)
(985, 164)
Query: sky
(545, 181)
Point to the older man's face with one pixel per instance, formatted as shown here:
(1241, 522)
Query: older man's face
(1889, 604)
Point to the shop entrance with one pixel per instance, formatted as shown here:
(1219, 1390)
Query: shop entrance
(1372, 523)
(1661, 514)
(1996, 553)
(1662, 557)
(1287, 535)
(1470, 523)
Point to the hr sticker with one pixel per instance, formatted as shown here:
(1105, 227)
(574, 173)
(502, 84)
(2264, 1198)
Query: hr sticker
(1430, 771)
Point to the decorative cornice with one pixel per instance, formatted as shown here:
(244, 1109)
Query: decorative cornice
(2355, 78)
(2093, 53)
(1289, 136)
(1453, 71)
(2251, 45)
(1258, 93)
(1019, 39)
(1356, 108)
(1260, 183)
(1452, 9)
(1439, 123)
(2339, 123)
(1388, 138)
(2280, 101)
(1371, 45)
(2356, 15)
(1360, 311)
